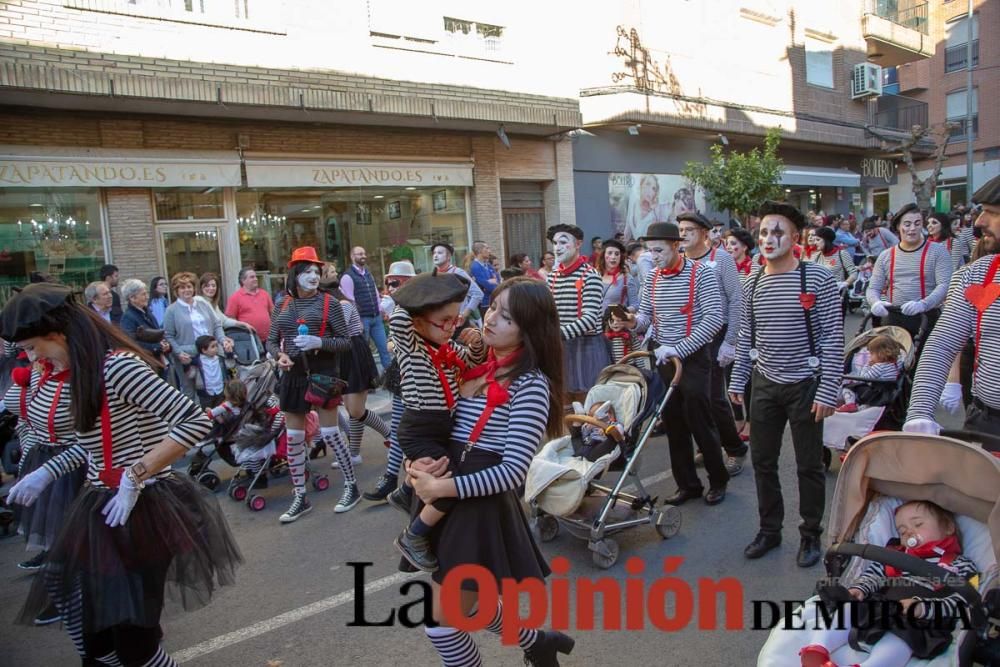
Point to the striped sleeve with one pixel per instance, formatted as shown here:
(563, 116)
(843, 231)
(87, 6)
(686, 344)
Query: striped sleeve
(73, 458)
(528, 414)
(830, 344)
(644, 315)
(729, 281)
(949, 607)
(589, 320)
(401, 331)
(336, 339)
(743, 365)
(942, 275)
(879, 280)
(871, 579)
(274, 333)
(848, 266)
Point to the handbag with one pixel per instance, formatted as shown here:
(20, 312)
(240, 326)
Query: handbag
(323, 391)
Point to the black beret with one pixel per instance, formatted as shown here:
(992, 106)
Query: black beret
(827, 234)
(25, 315)
(785, 210)
(431, 290)
(696, 218)
(662, 231)
(611, 243)
(909, 208)
(572, 230)
(446, 246)
(989, 193)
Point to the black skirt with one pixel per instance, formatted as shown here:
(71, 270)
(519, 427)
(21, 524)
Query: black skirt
(489, 531)
(42, 521)
(294, 382)
(176, 543)
(358, 367)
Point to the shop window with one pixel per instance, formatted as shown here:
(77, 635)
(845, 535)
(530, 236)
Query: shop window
(53, 233)
(189, 204)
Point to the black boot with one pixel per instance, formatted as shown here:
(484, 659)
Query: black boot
(543, 653)
(386, 484)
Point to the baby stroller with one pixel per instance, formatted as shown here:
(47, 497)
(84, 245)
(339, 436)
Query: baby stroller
(856, 294)
(561, 488)
(880, 473)
(247, 348)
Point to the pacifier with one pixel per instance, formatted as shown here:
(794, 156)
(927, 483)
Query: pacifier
(913, 542)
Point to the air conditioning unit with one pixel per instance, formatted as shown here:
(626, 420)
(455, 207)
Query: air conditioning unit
(867, 80)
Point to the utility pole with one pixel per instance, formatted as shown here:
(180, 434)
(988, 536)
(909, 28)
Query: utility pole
(969, 189)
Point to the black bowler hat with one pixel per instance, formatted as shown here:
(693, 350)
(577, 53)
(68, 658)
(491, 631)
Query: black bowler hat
(27, 314)
(662, 231)
(989, 193)
(785, 210)
(696, 218)
(431, 290)
(572, 230)
(446, 246)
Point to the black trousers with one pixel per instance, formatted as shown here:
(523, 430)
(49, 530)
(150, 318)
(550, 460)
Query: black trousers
(722, 411)
(688, 414)
(979, 419)
(772, 406)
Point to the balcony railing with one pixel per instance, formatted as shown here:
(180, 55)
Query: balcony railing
(896, 112)
(913, 15)
(955, 56)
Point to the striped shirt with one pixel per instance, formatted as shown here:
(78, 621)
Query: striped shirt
(875, 578)
(782, 333)
(882, 370)
(664, 306)
(880, 242)
(285, 326)
(352, 319)
(144, 410)
(956, 325)
(901, 269)
(578, 297)
(722, 264)
(514, 432)
(421, 383)
(960, 247)
(840, 263)
(40, 423)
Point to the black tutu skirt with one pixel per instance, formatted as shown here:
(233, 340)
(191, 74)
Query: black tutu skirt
(489, 531)
(584, 358)
(176, 545)
(41, 522)
(358, 367)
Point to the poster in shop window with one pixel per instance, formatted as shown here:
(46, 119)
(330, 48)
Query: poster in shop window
(640, 199)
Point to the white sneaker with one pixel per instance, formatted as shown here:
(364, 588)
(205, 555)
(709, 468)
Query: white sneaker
(355, 459)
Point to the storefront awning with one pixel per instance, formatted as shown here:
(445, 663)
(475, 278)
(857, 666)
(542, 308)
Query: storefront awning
(278, 173)
(42, 167)
(820, 177)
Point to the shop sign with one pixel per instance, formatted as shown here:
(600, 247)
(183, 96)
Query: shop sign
(285, 173)
(876, 172)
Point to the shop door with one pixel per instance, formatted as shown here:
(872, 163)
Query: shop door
(523, 219)
(191, 248)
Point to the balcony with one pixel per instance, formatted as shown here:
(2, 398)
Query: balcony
(896, 112)
(896, 31)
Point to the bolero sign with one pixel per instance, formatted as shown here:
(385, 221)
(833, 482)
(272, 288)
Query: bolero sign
(877, 172)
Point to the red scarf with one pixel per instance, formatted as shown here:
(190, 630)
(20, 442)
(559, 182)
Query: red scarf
(945, 550)
(496, 391)
(567, 270)
(673, 270)
(744, 266)
(443, 358)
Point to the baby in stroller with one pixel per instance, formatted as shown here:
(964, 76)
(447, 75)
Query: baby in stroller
(592, 442)
(878, 361)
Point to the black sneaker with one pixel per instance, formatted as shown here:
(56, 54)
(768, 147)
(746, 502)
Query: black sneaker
(48, 616)
(400, 499)
(299, 507)
(386, 484)
(35, 563)
(348, 499)
(417, 550)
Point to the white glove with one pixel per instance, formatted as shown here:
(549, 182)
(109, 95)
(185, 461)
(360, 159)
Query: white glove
(664, 352)
(928, 426)
(951, 397)
(880, 309)
(578, 408)
(119, 507)
(27, 490)
(307, 342)
(727, 354)
(842, 285)
(913, 307)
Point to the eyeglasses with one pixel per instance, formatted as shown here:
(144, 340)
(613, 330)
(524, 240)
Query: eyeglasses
(393, 283)
(448, 325)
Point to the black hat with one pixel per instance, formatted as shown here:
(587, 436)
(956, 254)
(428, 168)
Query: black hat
(572, 230)
(989, 193)
(611, 243)
(26, 314)
(662, 231)
(695, 217)
(828, 236)
(431, 290)
(446, 246)
(788, 211)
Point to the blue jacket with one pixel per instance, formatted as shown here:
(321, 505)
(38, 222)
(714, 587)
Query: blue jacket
(482, 273)
(132, 319)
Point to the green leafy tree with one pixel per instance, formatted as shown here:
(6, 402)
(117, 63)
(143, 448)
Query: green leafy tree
(737, 181)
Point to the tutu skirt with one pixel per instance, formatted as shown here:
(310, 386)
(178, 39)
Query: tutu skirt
(176, 544)
(358, 367)
(41, 523)
(583, 359)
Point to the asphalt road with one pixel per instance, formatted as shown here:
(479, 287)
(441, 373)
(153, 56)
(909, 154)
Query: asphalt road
(295, 594)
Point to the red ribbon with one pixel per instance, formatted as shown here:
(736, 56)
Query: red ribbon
(443, 358)
(744, 266)
(945, 550)
(496, 392)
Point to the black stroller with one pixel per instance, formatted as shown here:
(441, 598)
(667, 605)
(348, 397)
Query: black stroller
(247, 348)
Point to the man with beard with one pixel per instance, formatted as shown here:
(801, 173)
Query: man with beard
(441, 254)
(681, 302)
(913, 275)
(359, 287)
(875, 238)
(971, 311)
(790, 347)
(578, 291)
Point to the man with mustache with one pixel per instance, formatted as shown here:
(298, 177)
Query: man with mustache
(972, 310)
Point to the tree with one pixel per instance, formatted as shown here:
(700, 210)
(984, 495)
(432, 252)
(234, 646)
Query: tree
(924, 188)
(738, 182)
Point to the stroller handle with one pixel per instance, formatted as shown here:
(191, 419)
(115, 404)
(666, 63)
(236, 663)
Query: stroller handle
(644, 354)
(571, 420)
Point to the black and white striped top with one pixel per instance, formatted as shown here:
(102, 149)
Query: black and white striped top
(37, 429)
(882, 370)
(956, 325)
(782, 333)
(285, 327)
(906, 284)
(420, 383)
(514, 431)
(875, 578)
(960, 247)
(578, 297)
(840, 263)
(724, 266)
(352, 318)
(144, 410)
(665, 310)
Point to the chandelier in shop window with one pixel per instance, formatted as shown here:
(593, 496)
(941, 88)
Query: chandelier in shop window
(53, 226)
(259, 218)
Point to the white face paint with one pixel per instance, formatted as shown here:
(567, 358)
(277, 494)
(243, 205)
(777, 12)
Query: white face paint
(911, 227)
(715, 235)
(309, 279)
(663, 253)
(567, 247)
(775, 238)
(440, 256)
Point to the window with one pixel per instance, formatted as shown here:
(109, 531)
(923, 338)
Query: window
(819, 63)
(955, 105)
(956, 43)
(472, 38)
(890, 81)
(188, 204)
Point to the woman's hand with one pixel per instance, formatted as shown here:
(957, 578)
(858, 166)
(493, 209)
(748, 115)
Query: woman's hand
(118, 509)
(184, 358)
(470, 336)
(285, 362)
(426, 485)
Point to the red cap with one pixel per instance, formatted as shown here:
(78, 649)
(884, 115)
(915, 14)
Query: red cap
(304, 254)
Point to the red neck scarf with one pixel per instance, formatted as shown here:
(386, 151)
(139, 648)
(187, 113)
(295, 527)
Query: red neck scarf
(562, 270)
(614, 273)
(945, 550)
(673, 270)
(443, 358)
(496, 391)
(744, 266)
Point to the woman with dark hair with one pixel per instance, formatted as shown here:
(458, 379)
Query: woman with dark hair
(308, 336)
(506, 407)
(739, 244)
(159, 299)
(942, 228)
(523, 262)
(137, 527)
(621, 290)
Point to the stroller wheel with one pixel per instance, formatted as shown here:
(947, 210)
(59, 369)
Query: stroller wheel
(546, 527)
(238, 493)
(209, 480)
(668, 522)
(256, 503)
(605, 553)
(321, 482)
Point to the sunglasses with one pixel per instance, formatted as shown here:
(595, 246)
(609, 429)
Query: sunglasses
(393, 283)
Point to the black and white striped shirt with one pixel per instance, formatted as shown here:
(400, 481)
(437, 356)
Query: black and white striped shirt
(956, 325)
(960, 247)
(840, 263)
(421, 384)
(782, 333)
(724, 266)
(514, 431)
(43, 425)
(666, 308)
(875, 578)
(144, 410)
(352, 319)
(578, 295)
(285, 326)
(901, 270)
